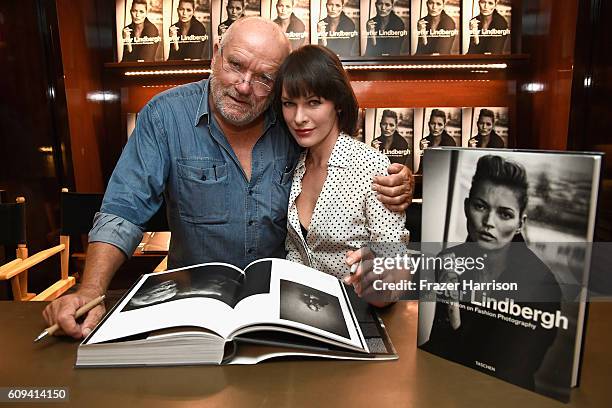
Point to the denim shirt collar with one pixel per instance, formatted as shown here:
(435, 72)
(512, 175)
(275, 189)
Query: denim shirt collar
(204, 108)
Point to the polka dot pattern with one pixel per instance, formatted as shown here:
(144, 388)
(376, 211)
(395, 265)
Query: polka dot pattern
(347, 215)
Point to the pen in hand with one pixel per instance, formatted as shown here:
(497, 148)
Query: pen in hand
(80, 312)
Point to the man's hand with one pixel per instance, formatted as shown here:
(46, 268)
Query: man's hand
(63, 309)
(395, 190)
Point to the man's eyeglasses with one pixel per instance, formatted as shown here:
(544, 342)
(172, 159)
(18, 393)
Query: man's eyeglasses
(261, 83)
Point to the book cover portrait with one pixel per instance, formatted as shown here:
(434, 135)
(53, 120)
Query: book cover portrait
(435, 27)
(336, 26)
(487, 26)
(139, 27)
(385, 27)
(189, 34)
(390, 131)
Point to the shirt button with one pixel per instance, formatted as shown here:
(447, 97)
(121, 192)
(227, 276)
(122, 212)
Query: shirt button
(250, 192)
(250, 251)
(251, 222)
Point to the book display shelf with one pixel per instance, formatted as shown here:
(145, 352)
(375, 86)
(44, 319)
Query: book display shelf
(533, 82)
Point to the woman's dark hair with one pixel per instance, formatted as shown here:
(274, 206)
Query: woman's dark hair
(144, 2)
(499, 171)
(388, 113)
(486, 113)
(439, 113)
(313, 70)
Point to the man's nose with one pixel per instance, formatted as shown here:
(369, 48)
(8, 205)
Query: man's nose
(244, 87)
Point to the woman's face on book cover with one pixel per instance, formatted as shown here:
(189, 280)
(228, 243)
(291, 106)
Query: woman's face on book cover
(384, 7)
(185, 11)
(435, 7)
(436, 125)
(487, 7)
(334, 8)
(139, 13)
(485, 125)
(387, 126)
(493, 215)
(284, 8)
(234, 10)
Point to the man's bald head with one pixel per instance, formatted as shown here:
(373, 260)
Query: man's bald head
(267, 31)
(242, 77)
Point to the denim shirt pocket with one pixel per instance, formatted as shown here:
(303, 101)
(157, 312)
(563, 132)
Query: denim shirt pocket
(203, 191)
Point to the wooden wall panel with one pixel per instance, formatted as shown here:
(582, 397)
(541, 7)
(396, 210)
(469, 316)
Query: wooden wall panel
(549, 37)
(422, 93)
(82, 78)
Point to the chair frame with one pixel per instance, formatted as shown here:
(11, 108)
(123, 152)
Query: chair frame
(17, 270)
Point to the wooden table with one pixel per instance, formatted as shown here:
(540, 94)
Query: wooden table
(417, 379)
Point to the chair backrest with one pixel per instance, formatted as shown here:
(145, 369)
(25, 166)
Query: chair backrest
(77, 212)
(79, 209)
(12, 223)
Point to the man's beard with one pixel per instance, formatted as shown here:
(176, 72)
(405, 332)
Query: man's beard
(240, 117)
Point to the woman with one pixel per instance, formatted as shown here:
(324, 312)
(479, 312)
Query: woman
(488, 19)
(385, 20)
(436, 31)
(438, 136)
(486, 137)
(337, 31)
(141, 37)
(495, 211)
(332, 208)
(292, 26)
(188, 38)
(390, 142)
(235, 10)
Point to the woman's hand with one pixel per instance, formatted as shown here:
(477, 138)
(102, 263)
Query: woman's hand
(371, 28)
(395, 190)
(362, 275)
(474, 30)
(127, 38)
(422, 30)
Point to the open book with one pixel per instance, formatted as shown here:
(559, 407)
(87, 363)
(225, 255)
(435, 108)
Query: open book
(216, 313)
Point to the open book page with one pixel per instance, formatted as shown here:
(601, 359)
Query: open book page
(304, 299)
(200, 295)
(275, 294)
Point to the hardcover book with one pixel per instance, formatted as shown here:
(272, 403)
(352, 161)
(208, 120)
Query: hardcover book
(390, 131)
(435, 27)
(385, 27)
(216, 313)
(140, 24)
(188, 37)
(485, 127)
(487, 26)
(434, 127)
(510, 233)
(226, 12)
(335, 25)
(293, 17)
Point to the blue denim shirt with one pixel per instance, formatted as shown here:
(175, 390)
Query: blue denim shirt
(178, 153)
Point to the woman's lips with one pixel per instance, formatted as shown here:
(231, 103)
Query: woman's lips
(303, 132)
(485, 236)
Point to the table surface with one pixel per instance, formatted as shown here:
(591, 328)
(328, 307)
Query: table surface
(417, 379)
